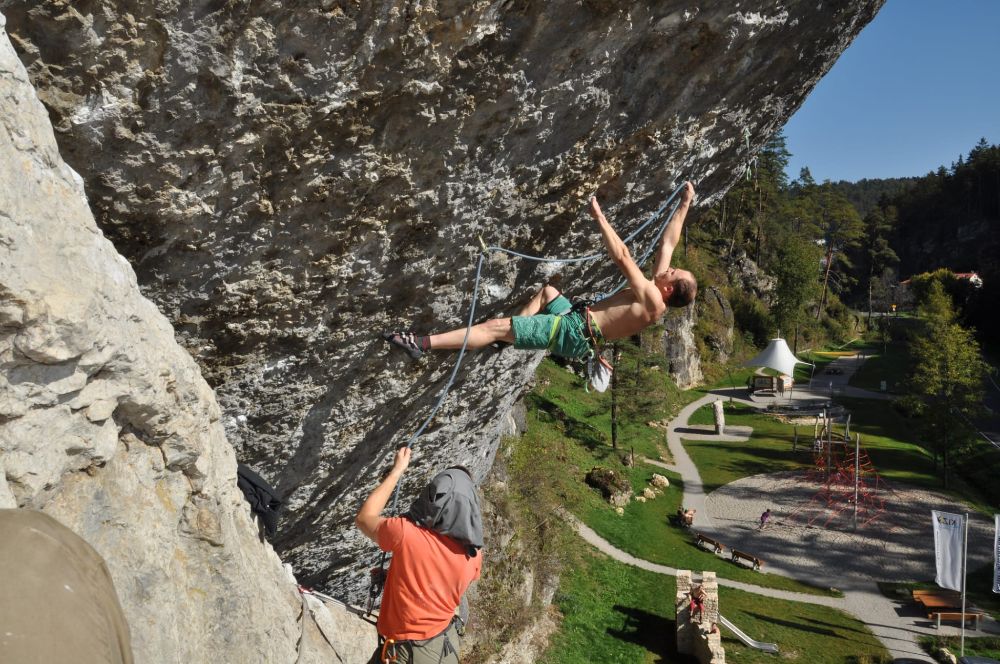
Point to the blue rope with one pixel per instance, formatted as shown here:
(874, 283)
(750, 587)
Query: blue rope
(454, 371)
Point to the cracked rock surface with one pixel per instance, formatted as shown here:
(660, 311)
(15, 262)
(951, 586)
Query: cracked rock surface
(289, 179)
(107, 425)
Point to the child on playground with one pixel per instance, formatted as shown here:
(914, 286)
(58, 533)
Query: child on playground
(697, 602)
(764, 518)
(549, 321)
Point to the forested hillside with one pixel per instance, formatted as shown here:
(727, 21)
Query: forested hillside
(831, 244)
(799, 232)
(866, 193)
(947, 219)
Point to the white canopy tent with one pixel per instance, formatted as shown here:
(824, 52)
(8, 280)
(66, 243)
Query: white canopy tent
(779, 357)
(776, 356)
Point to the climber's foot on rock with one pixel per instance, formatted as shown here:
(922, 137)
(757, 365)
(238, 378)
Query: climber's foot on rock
(413, 344)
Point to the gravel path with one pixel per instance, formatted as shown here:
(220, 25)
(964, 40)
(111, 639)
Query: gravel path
(895, 546)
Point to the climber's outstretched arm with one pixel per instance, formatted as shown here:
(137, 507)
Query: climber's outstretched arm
(672, 233)
(642, 288)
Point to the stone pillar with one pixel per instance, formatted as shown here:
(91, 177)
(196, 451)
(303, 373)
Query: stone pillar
(685, 628)
(720, 417)
(695, 638)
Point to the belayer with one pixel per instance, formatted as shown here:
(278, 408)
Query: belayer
(549, 321)
(435, 556)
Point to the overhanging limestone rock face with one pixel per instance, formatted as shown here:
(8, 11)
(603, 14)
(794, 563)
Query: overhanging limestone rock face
(107, 424)
(290, 178)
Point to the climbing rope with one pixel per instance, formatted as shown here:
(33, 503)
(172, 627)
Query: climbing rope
(378, 573)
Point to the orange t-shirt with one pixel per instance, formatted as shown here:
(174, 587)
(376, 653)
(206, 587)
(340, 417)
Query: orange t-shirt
(427, 577)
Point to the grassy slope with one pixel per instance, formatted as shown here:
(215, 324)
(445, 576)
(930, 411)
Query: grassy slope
(803, 632)
(613, 613)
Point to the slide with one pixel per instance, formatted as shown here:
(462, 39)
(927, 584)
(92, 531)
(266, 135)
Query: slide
(759, 645)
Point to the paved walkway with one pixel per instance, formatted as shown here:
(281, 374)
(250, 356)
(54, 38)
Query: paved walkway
(890, 621)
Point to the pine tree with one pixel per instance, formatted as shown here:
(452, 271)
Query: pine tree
(945, 386)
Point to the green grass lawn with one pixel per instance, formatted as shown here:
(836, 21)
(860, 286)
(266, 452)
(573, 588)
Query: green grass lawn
(769, 449)
(803, 632)
(566, 431)
(616, 613)
(889, 365)
(890, 439)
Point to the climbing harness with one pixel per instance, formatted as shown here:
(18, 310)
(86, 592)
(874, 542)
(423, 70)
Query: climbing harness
(377, 581)
(390, 649)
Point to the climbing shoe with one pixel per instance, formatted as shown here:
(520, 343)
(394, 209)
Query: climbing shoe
(413, 344)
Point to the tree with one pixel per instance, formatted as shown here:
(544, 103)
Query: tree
(945, 386)
(795, 270)
(841, 227)
(878, 254)
(634, 391)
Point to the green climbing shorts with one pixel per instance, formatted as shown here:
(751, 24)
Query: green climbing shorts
(557, 328)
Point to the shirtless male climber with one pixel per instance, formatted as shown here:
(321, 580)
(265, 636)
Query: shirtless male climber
(550, 321)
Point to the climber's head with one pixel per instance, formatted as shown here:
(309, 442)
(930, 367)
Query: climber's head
(678, 287)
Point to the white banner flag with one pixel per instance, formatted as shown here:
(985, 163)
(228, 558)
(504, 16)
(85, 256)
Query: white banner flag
(996, 553)
(948, 549)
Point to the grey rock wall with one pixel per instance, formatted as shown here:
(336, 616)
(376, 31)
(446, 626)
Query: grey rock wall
(290, 178)
(107, 425)
(681, 348)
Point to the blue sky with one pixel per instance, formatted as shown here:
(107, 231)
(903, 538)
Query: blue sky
(917, 88)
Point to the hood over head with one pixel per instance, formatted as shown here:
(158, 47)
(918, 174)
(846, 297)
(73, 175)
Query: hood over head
(449, 505)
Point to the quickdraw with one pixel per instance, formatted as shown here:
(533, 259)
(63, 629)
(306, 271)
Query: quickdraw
(376, 582)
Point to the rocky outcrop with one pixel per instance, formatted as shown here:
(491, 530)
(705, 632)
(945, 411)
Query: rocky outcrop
(747, 276)
(288, 179)
(716, 320)
(107, 425)
(681, 348)
(614, 487)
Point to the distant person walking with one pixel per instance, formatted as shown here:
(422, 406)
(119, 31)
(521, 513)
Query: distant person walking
(764, 518)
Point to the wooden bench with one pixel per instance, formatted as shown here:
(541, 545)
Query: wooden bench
(955, 615)
(951, 594)
(749, 557)
(716, 545)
